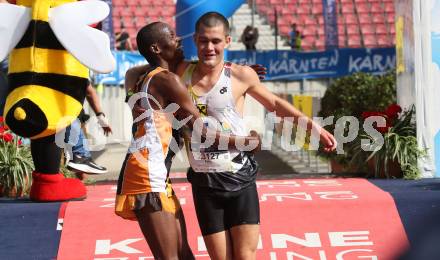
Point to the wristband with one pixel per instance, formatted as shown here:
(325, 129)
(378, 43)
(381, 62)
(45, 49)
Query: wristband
(128, 95)
(102, 120)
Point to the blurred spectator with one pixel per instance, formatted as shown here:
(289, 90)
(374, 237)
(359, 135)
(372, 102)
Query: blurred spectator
(292, 36)
(298, 41)
(122, 39)
(80, 158)
(249, 37)
(296, 37)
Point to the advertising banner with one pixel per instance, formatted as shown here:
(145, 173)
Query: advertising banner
(285, 65)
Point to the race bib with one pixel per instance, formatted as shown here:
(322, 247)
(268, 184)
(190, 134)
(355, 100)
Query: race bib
(212, 161)
(212, 156)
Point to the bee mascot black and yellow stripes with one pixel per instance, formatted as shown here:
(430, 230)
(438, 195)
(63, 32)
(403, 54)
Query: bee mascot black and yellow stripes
(46, 91)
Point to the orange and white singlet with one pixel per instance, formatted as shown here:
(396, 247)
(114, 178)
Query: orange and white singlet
(144, 169)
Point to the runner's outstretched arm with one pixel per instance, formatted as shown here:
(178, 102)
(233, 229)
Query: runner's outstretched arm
(281, 107)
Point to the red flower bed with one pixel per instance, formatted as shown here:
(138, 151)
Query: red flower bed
(391, 114)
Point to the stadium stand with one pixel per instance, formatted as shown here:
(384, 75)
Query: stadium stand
(136, 13)
(361, 23)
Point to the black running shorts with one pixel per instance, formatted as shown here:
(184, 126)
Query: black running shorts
(220, 210)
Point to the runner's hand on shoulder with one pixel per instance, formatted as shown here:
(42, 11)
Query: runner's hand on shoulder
(260, 70)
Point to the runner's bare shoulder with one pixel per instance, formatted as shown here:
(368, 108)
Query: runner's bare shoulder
(167, 81)
(243, 72)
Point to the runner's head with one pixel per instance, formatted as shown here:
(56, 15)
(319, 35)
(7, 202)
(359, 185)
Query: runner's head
(158, 41)
(211, 38)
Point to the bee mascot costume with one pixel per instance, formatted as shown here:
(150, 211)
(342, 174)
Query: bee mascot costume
(50, 46)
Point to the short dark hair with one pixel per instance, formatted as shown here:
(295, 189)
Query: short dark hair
(147, 36)
(212, 19)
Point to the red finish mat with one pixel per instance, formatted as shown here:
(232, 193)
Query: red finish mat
(300, 219)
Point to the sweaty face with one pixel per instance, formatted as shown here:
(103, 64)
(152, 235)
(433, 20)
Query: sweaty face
(211, 43)
(171, 48)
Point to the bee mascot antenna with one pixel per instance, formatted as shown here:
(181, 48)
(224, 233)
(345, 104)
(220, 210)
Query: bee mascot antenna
(50, 46)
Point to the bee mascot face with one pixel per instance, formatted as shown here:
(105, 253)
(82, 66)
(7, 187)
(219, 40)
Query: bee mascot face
(51, 48)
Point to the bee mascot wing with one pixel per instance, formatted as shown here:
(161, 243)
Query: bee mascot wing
(70, 23)
(13, 23)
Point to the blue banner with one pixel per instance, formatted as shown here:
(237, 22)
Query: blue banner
(290, 65)
(330, 23)
(124, 61)
(286, 65)
(107, 25)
